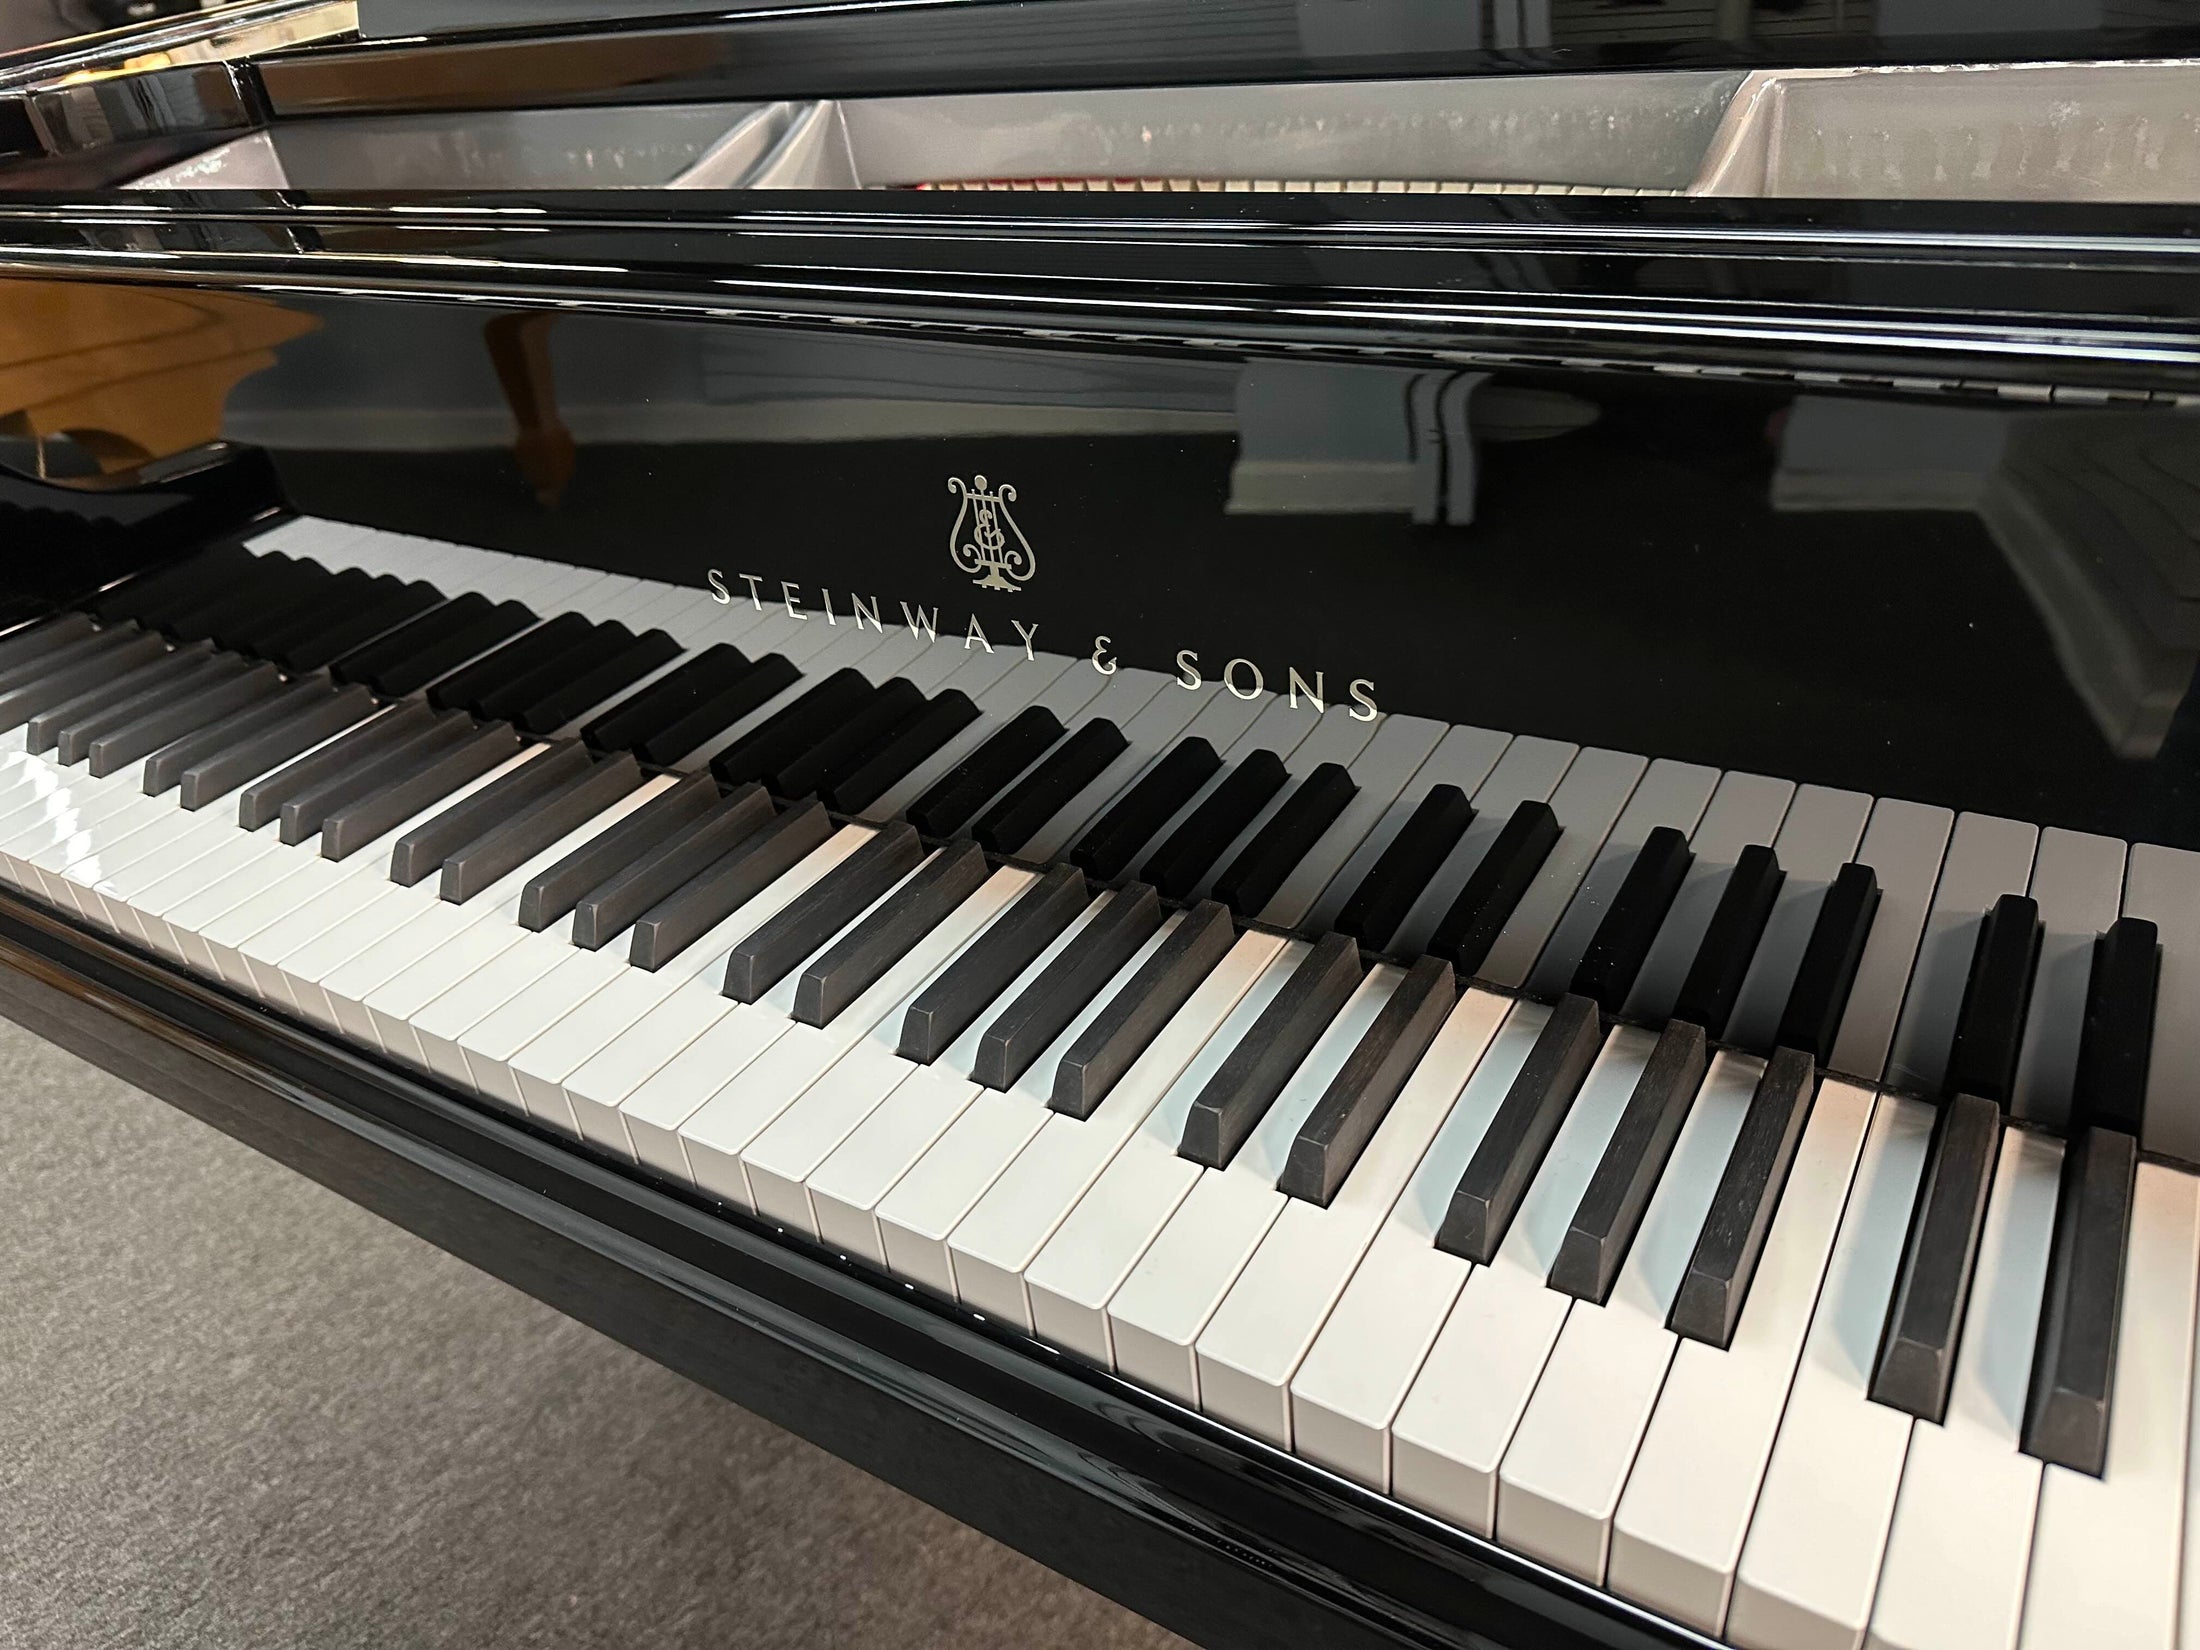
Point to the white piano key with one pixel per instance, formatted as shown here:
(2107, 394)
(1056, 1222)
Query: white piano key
(1903, 844)
(1155, 1318)
(1669, 794)
(1678, 1534)
(1093, 1251)
(1381, 770)
(2105, 1551)
(1987, 857)
(2078, 881)
(1746, 809)
(1561, 1478)
(1819, 835)
(1811, 1562)
(995, 1243)
(2163, 886)
(1451, 1432)
(1953, 1575)
(493, 1042)
(1529, 771)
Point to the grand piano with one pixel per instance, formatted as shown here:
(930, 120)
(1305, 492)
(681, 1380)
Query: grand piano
(1384, 820)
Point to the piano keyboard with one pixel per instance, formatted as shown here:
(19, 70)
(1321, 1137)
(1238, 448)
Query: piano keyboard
(1609, 1156)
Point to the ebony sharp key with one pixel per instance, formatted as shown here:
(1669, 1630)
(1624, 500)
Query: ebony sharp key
(722, 888)
(1068, 985)
(1289, 836)
(1496, 887)
(862, 956)
(1603, 1228)
(75, 652)
(1112, 1041)
(348, 631)
(1917, 1350)
(20, 704)
(308, 808)
(1106, 850)
(364, 819)
(471, 684)
(1827, 972)
(1249, 1079)
(1714, 981)
(792, 729)
(1488, 1194)
(2066, 1411)
(1629, 926)
(195, 694)
(64, 728)
(42, 640)
(554, 673)
(617, 669)
(1982, 1058)
(554, 892)
(215, 760)
(1192, 849)
(822, 910)
(152, 595)
(1401, 875)
(326, 600)
(117, 747)
(1034, 799)
(422, 850)
(657, 705)
(504, 848)
(956, 796)
(238, 615)
(765, 680)
(1359, 1097)
(263, 799)
(408, 658)
(658, 872)
(1715, 1286)
(849, 740)
(911, 743)
(963, 990)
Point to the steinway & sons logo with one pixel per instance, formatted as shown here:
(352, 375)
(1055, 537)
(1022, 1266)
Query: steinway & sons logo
(980, 542)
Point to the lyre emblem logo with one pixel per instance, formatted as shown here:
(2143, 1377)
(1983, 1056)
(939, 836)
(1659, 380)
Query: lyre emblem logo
(985, 540)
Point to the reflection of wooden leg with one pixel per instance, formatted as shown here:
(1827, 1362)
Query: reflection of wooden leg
(519, 348)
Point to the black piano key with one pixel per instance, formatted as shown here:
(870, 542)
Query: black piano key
(2066, 1409)
(901, 752)
(652, 707)
(1107, 848)
(42, 732)
(1176, 867)
(1512, 1148)
(555, 674)
(382, 611)
(170, 692)
(822, 910)
(1715, 1287)
(1496, 887)
(1982, 1058)
(1917, 1349)
(1067, 986)
(617, 670)
(43, 640)
(864, 954)
(422, 850)
(1604, 1225)
(1240, 1092)
(151, 596)
(1262, 866)
(792, 729)
(68, 655)
(1827, 973)
(1359, 1097)
(117, 747)
(406, 659)
(964, 989)
(764, 681)
(293, 702)
(722, 888)
(554, 891)
(850, 739)
(277, 588)
(361, 821)
(537, 826)
(1120, 1033)
(82, 674)
(1386, 895)
(18, 614)
(309, 808)
(2115, 1049)
(655, 875)
(470, 685)
(262, 800)
(956, 796)
(318, 603)
(1715, 977)
(1042, 793)
(1630, 924)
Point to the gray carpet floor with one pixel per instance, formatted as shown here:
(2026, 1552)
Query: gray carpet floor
(236, 1410)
